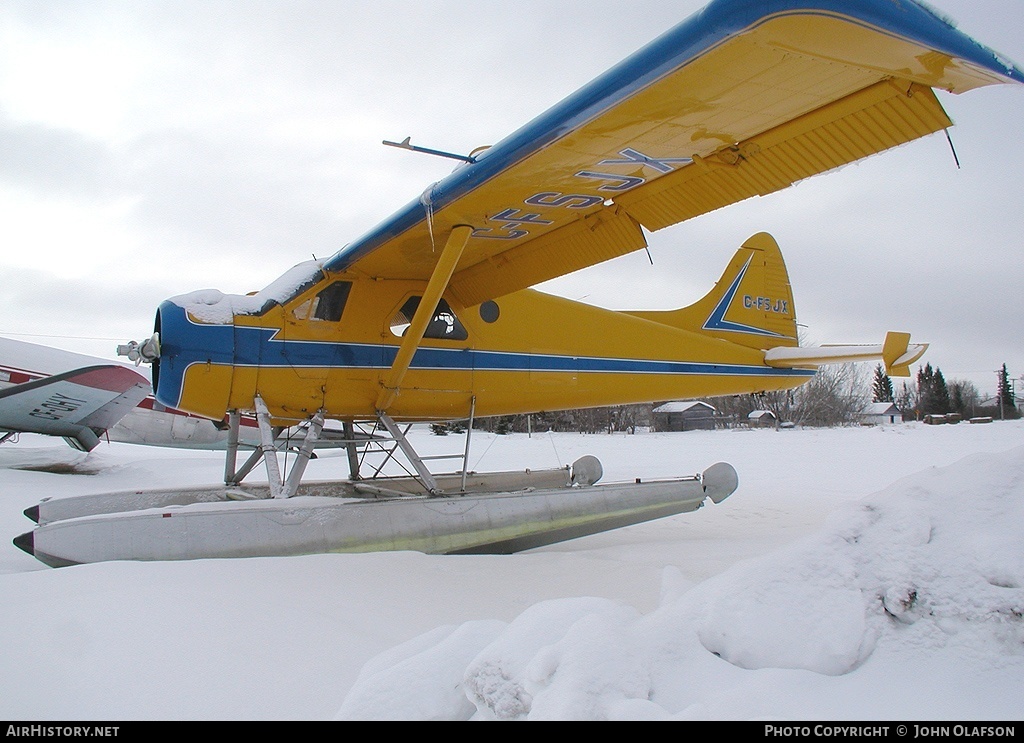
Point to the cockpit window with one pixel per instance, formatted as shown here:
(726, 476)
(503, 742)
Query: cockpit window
(444, 325)
(330, 303)
(327, 305)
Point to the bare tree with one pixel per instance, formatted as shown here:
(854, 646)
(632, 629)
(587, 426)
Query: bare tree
(834, 397)
(906, 400)
(782, 403)
(734, 408)
(964, 397)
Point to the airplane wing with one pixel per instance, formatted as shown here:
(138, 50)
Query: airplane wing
(78, 405)
(742, 99)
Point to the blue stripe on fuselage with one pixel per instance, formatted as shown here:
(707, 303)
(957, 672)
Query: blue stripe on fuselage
(191, 343)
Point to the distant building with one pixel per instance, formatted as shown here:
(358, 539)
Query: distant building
(993, 402)
(685, 416)
(881, 413)
(762, 419)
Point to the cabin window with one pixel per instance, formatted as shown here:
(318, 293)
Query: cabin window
(489, 312)
(327, 305)
(330, 303)
(444, 325)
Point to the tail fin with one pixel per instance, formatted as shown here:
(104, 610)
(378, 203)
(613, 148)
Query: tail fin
(752, 304)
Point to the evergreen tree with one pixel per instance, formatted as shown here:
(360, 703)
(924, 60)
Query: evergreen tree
(882, 387)
(925, 404)
(932, 393)
(940, 393)
(504, 425)
(1007, 399)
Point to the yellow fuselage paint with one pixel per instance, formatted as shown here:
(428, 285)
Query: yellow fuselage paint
(540, 353)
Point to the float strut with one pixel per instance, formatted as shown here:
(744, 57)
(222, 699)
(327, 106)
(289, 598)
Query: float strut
(234, 476)
(291, 485)
(234, 421)
(267, 448)
(469, 434)
(421, 469)
(353, 449)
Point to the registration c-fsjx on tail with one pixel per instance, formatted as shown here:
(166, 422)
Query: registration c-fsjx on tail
(431, 316)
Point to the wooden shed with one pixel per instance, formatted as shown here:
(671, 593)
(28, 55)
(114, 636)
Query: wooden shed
(685, 416)
(762, 419)
(881, 413)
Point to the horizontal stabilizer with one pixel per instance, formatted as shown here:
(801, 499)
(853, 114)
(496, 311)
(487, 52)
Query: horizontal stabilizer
(897, 353)
(77, 405)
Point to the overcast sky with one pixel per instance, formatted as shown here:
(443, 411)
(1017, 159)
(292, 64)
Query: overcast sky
(153, 148)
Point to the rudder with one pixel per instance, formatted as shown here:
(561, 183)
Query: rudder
(752, 304)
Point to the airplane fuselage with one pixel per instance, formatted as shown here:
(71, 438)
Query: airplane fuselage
(525, 352)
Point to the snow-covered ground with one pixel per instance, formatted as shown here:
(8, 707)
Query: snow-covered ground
(857, 574)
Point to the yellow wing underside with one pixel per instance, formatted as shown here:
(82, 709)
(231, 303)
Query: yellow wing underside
(794, 96)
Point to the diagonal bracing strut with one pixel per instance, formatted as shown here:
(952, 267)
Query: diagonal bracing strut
(436, 286)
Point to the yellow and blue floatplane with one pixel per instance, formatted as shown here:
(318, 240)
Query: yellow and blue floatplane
(431, 315)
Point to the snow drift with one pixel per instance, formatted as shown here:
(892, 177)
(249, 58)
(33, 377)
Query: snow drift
(928, 572)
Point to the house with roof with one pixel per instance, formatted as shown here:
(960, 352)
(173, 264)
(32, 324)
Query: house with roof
(692, 415)
(880, 414)
(992, 401)
(761, 419)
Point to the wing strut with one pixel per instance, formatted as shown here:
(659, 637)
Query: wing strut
(428, 305)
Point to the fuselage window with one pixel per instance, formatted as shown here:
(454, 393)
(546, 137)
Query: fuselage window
(489, 312)
(327, 305)
(444, 325)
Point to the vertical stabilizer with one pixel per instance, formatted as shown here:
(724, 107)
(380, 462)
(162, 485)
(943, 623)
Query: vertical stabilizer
(752, 304)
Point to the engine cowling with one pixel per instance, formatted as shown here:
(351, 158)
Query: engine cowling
(194, 368)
